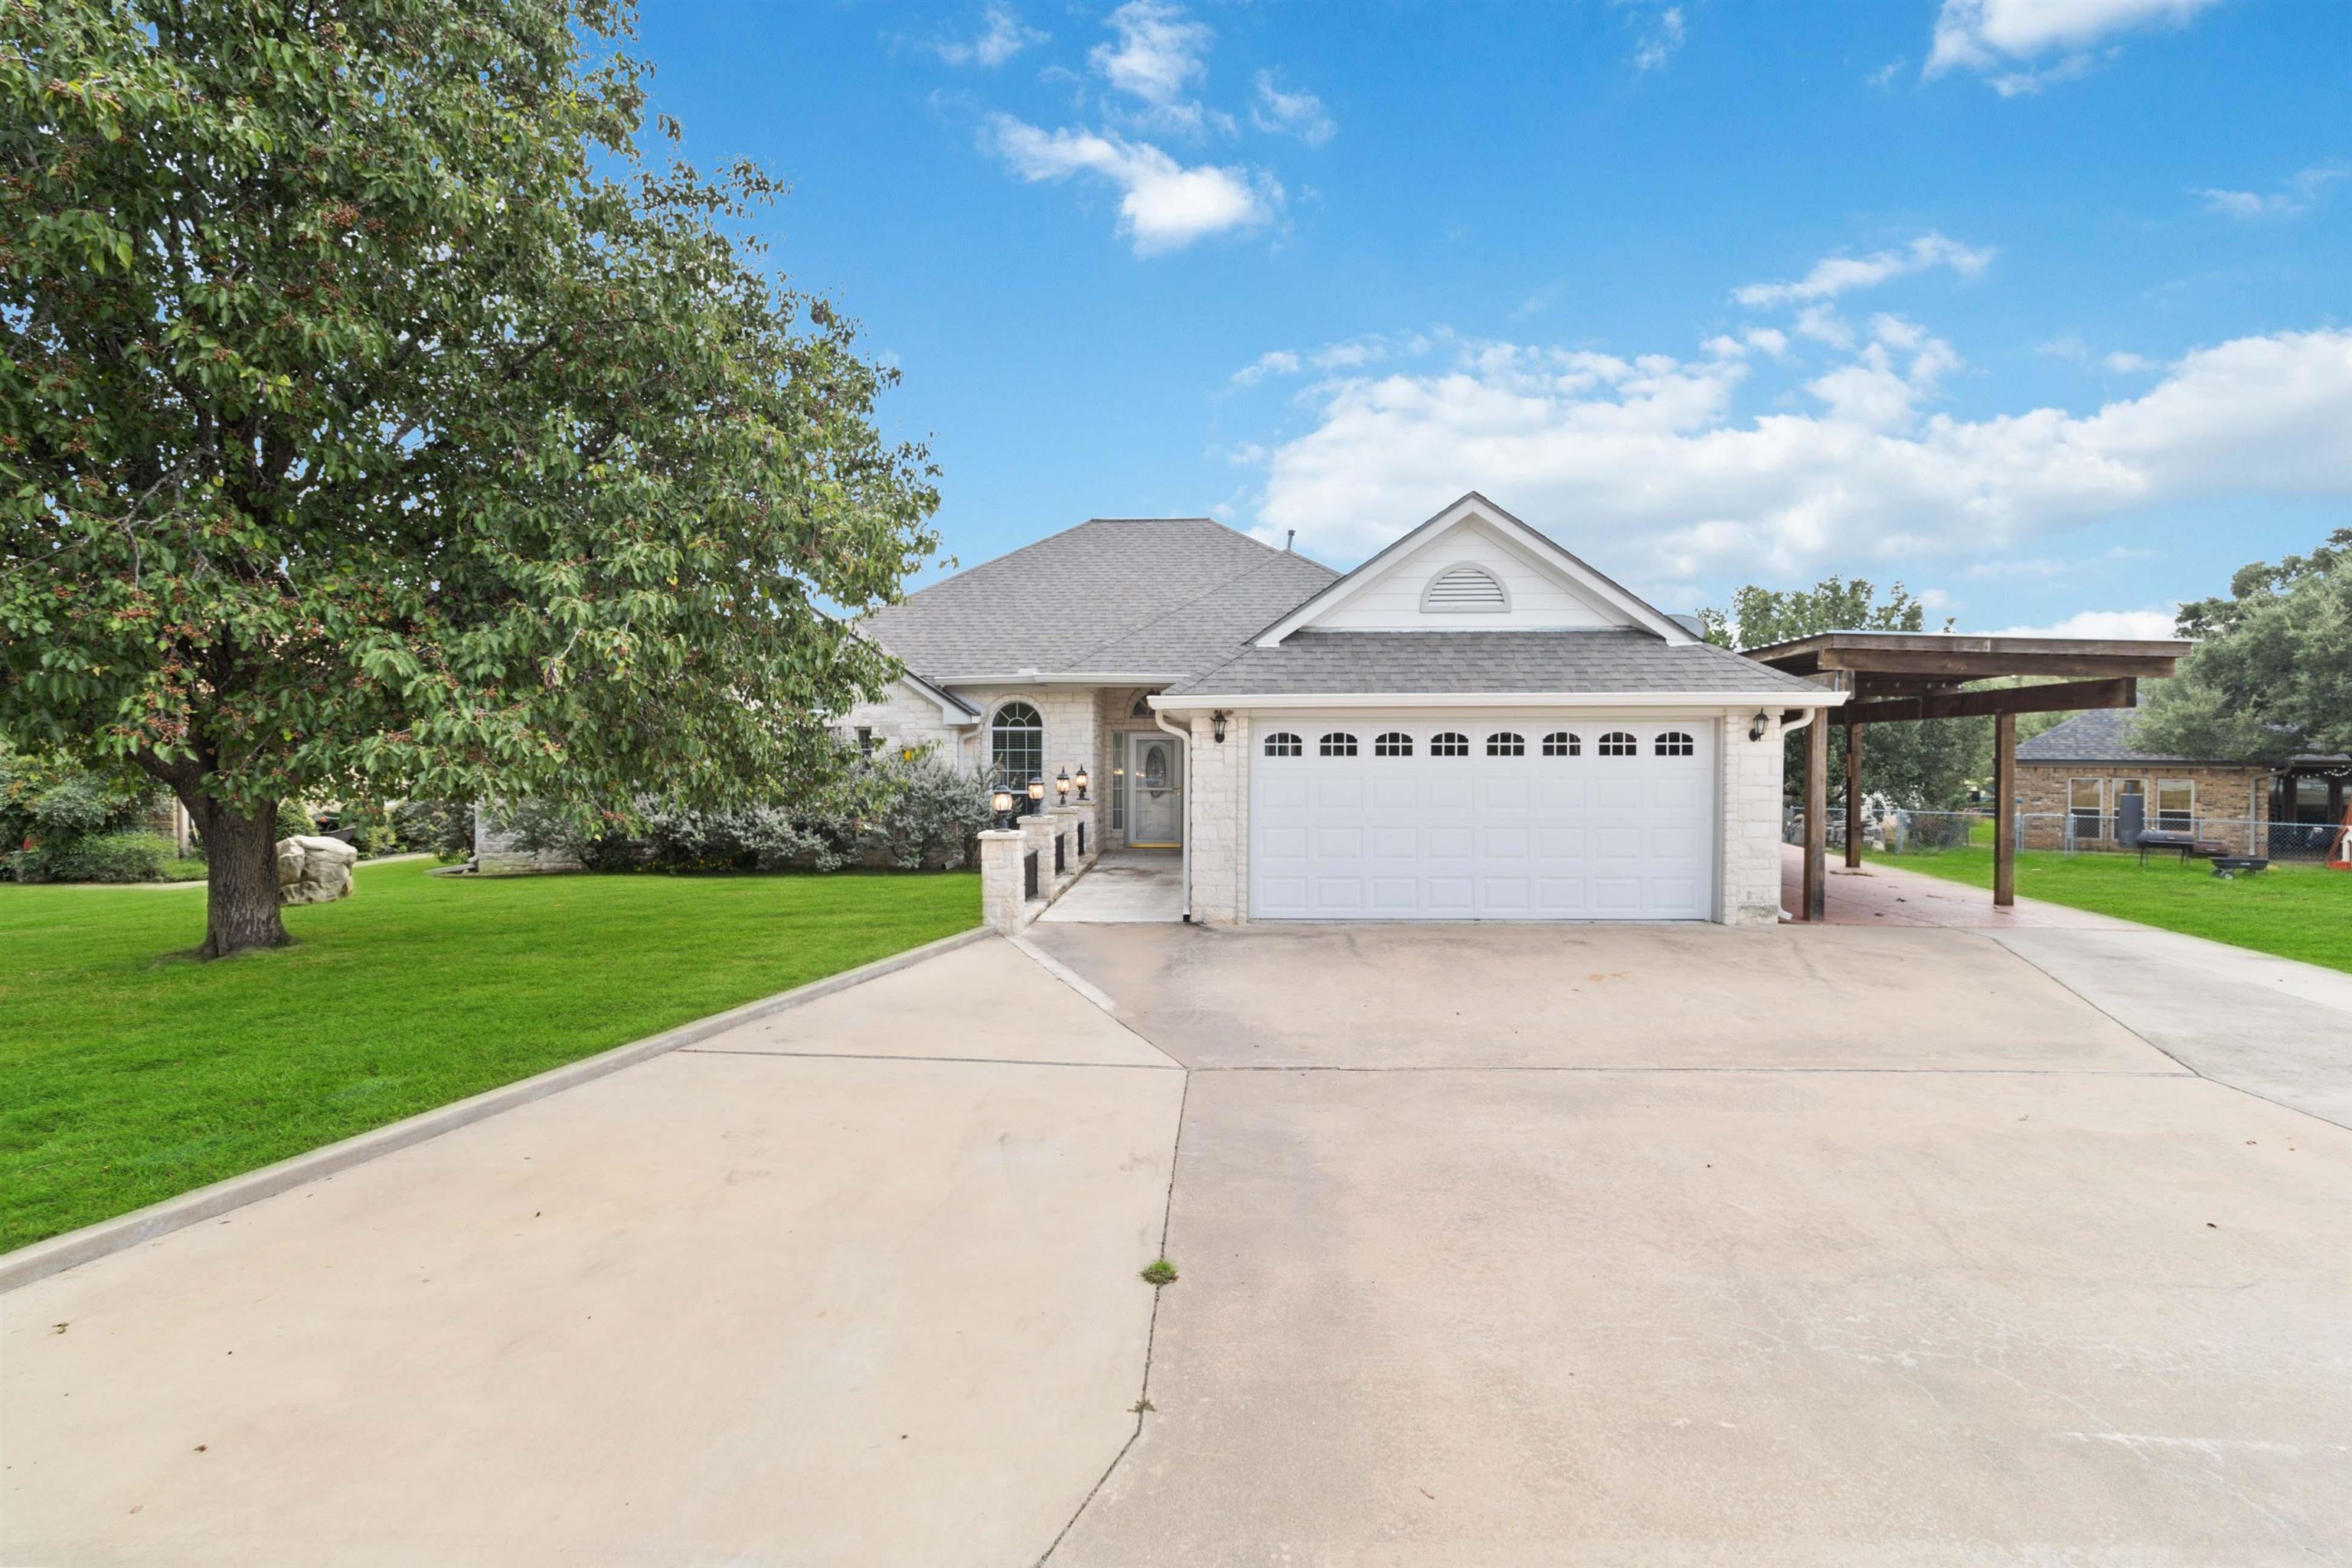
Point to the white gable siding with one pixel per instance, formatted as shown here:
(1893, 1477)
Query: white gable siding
(1539, 601)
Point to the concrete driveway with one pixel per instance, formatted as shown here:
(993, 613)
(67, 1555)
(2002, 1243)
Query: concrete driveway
(1664, 1244)
(1692, 1246)
(856, 1284)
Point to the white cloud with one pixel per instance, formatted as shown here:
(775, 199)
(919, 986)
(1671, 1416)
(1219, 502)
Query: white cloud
(1158, 54)
(1824, 326)
(1274, 361)
(1299, 113)
(2005, 37)
(1659, 41)
(1771, 340)
(1835, 275)
(2123, 364)
(1642, 461)
(1163, 206)
(1001, 35)
(2151, 624)
(1883, 77)
(1875, 391)
(2297, 195)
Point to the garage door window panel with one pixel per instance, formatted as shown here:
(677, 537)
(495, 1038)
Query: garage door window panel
(1563, 743)
(1619, 743)
(1393, 743)
(1449, 743)
(1675, 743)
(1504, 744)
(1283, 743)
(1338, 743)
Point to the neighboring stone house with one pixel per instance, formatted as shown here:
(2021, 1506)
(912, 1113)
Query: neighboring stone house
(1474, 724)
(2073, 778)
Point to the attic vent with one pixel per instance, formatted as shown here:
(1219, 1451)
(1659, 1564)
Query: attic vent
(1464, 588)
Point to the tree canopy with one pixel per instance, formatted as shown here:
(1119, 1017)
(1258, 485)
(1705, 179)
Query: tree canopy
(377, 419)
(1926, 764)
(2271, 677)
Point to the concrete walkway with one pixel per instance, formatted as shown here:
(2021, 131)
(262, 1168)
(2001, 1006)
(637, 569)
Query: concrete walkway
(1124, 886)
(1884, 895)
(852, 1285)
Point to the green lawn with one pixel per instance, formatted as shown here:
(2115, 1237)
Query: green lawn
(132, 1074)
(2295, 911)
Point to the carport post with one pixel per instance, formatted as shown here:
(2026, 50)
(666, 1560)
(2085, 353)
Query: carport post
(1853, 792)
(1817, 813)
(2004, 810)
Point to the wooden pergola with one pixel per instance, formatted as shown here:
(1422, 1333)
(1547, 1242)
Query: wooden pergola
(1892, 677)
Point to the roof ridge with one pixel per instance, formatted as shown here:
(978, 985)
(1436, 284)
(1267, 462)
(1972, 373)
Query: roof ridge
(1217, 587)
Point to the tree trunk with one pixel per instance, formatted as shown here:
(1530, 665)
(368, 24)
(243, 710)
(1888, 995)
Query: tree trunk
(241, 884)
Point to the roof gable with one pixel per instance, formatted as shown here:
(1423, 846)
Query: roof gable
(1475, 567)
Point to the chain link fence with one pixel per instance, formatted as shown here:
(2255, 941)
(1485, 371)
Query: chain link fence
(1906, 832)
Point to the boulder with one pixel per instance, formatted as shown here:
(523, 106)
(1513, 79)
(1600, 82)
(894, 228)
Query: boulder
(314, 871)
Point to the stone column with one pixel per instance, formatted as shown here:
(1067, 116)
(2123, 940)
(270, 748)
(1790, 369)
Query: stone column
(1066, 822)
(1001, 907)
(1038, 838)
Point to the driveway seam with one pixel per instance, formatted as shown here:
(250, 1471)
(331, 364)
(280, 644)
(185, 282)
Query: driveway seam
(1093, 994)
(1150, 1336)
(1562, 1068)
(899, 1056)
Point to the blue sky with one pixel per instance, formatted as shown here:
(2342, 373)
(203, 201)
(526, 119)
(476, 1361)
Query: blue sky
(2043, 307)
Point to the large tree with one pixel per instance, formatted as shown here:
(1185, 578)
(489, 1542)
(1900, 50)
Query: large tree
(378, 421)
(2271, 674)
(1926, 764)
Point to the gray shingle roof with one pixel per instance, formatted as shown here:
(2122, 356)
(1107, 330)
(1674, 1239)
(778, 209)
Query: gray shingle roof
(1614, 661)
(1102, 598)
(2100, 735)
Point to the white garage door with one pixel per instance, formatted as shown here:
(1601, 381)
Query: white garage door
(1558, 819)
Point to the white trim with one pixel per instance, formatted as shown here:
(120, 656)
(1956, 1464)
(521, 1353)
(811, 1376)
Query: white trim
(1583, 577)
(1663, 701)
(954, 712)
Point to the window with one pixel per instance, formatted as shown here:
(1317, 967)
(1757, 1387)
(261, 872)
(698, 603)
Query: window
(1448, 744)
(1561, 743)
(866, 739)
(2085, 808)
(1503, 744)
(1142, 709)
(1464, 589)
(1618, 744)
(1338, 743)
(1016, 745)
(1283, 743)
(2176, 805)
(1117, 778)
(1674, 744)
(1395, 743)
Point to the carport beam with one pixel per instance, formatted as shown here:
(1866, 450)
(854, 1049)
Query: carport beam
(2004, 810)
(1817, 812)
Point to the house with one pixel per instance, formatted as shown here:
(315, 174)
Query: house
(2073, 778)
(1474, 724)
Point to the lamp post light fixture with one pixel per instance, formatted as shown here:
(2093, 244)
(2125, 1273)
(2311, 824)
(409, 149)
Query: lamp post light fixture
(1062, 787)
(1081, 780)
(999, 801)
(1036, 793)
(1217, 726)
(1763, 722)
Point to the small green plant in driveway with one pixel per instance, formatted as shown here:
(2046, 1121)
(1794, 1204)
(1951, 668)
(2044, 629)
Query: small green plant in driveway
(1160, 1272)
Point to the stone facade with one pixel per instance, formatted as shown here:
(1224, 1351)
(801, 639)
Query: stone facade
(1749, 890)
(905, 717)
(1217, 820)
(2226, 798)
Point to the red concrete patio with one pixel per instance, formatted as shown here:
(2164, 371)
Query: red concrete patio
(1880, 894)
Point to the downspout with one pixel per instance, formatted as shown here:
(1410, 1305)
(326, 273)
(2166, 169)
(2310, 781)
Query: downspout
(1183, 850)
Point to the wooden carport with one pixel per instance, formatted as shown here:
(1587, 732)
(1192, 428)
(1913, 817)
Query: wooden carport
(1892, 677)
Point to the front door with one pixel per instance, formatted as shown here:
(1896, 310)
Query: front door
(1155, 792)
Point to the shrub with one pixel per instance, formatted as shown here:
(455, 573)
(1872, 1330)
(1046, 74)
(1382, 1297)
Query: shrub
(440, 827)
(99, 857)
(904, 811)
